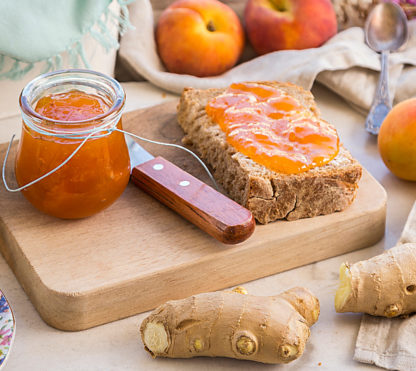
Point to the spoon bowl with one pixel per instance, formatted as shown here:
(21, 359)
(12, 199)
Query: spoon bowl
(386, 30)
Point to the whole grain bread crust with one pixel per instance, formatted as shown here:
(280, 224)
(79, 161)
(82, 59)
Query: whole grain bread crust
(267, 194)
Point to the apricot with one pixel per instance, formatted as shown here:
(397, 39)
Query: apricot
(199, 37)
(397, 140)
(289, 24)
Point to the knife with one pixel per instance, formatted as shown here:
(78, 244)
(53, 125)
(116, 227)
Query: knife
(211, 211)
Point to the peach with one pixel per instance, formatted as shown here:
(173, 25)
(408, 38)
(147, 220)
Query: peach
(397, 140)
(289, 24)
(199, 37)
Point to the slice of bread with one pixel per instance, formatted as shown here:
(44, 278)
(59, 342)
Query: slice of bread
(267, 194)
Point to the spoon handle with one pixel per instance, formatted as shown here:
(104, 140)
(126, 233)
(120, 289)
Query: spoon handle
(381, 103)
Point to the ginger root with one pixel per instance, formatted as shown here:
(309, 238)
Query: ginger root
(384, 285)
(232, 324)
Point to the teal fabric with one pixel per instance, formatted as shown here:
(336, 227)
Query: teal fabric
(34, 30)
(40, 30)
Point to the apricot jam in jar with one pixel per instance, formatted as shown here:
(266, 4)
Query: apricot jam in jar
(60, 110)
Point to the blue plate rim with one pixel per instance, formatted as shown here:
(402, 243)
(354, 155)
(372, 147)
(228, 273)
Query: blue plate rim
(3, 364)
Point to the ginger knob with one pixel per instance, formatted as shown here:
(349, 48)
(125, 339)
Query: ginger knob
(381, 286)
(229, 324)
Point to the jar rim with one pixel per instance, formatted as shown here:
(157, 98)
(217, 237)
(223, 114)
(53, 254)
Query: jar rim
(115, 108)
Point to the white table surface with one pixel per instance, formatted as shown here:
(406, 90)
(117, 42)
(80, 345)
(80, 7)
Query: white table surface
(117, 345)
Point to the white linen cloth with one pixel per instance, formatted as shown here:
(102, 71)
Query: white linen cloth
(390, 342)
(345, 63)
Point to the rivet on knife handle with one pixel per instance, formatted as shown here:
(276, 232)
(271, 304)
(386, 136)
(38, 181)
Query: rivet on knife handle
(202, 205)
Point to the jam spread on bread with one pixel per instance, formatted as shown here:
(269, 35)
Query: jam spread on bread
(273, 128)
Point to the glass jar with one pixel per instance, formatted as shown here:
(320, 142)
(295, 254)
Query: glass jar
(98, 173)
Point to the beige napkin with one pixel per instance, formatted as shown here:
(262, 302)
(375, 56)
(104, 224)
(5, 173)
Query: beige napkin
(345, 63)
(390, 343)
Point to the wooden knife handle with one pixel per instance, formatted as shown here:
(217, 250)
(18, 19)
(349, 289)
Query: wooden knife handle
(202, 205)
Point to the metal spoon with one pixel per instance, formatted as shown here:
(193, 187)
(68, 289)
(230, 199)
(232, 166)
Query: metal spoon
(385, 31)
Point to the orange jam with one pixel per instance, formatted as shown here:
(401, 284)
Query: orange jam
(272, 128)
(74, 105)
(93, 179)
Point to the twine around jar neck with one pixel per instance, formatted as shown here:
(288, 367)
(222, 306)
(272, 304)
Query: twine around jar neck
(97, 127)
(84, 138)
(106, 127)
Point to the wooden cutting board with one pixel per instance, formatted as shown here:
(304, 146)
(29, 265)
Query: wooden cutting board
(138, 254)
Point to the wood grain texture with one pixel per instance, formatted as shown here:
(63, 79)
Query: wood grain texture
(214, 213)
(138, 253)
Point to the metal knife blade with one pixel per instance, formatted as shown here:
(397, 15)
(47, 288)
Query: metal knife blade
(138, 155)
(211, 211)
